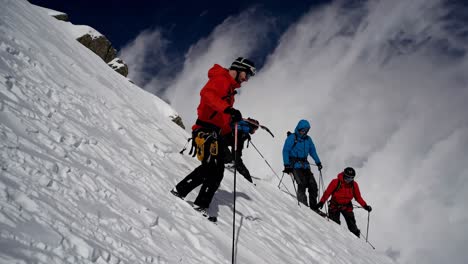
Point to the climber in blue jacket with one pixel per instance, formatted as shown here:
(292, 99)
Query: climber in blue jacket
(297, 147)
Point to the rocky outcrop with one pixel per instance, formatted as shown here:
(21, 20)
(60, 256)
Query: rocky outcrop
(62, 16)
(119, 66)
(99, 45)
(178, 121)
(94, 41)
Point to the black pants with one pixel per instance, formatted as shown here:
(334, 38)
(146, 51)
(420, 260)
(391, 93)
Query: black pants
(334, 214)
(240, 166)
(209, 175)
(242, 169)
(305, 180)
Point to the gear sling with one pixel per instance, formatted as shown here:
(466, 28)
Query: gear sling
(204, 145)
(204, 142)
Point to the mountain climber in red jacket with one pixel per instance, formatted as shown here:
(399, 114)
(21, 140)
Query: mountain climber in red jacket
(342, 190)
(215, 114)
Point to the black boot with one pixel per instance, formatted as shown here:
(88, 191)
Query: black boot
(177, 194)
(202, 210)
(301, 196)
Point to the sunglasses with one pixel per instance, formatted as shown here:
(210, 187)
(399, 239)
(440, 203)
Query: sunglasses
(251, 72)
(248, 75)
(348, 178)
(304, 130)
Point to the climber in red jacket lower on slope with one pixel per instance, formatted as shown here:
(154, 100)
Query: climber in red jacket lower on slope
(342, 190)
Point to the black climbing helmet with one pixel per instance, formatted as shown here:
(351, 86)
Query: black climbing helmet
(243, 64)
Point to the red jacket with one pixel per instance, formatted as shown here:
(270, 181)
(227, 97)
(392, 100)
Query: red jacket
(216, 96)
(345, 194)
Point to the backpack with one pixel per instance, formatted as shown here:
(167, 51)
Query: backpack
(295, 138)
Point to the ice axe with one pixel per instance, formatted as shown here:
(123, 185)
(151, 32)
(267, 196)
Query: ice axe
(261, 126)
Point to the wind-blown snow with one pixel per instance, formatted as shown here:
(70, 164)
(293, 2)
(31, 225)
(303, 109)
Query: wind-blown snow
(87, 161)
(49, 11)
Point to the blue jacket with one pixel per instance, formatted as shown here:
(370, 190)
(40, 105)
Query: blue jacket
(243, 127)
(303, 147)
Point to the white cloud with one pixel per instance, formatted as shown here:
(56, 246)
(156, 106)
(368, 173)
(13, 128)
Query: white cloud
(146, 58)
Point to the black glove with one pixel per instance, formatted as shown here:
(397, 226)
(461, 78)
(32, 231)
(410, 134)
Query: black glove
(236, 115)
(368, 208)
(319, 205)
(319, 166)
(288, 169)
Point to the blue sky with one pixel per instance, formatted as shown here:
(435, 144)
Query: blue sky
(182, 22)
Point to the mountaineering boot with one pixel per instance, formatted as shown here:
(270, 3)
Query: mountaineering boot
(202, 210)
(301, 196)
(177, 194)
(322, 214)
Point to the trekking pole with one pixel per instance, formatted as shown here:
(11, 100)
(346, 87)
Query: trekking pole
(367, 241)
(367, 234)
(280, 181)
(292, 179)
(261, 155)
(323, 189)
(319, 186)
(277, 176)
(234, 207)
(321, 181)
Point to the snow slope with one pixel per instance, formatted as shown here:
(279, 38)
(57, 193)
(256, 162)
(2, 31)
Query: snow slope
(88, 159)
(75, 30)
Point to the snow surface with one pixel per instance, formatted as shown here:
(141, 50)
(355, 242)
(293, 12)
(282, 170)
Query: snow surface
(75, 30)
(49, 11)
(87, 161)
